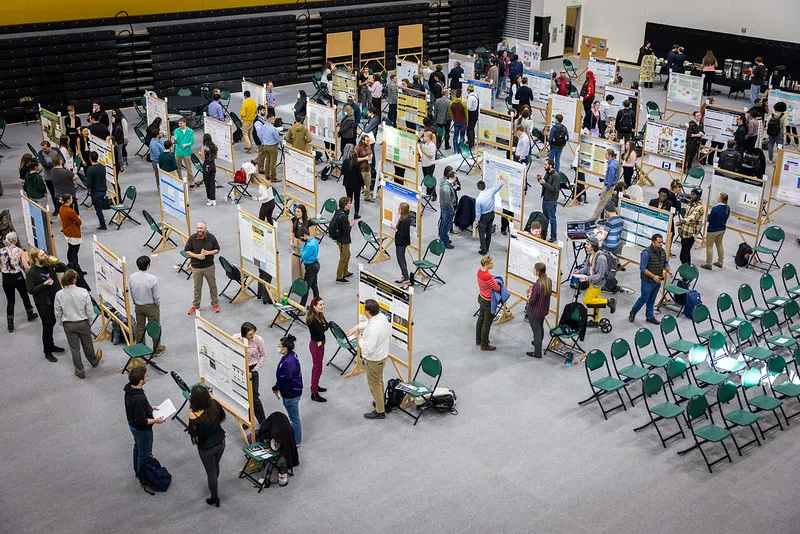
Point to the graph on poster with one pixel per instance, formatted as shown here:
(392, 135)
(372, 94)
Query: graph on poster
(494, 128)
(524, 251)
(640, 222)
(685, 88)
(223, 366)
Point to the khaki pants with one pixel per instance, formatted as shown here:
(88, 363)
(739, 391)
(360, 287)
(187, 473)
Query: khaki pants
(207, 273)
(601, 204)
(715, 239)
(375, 382)
(79, 335)
(344, 260)
(366, 177)
(298, 269)
(144, 313)
(247, 134)
(185, 161)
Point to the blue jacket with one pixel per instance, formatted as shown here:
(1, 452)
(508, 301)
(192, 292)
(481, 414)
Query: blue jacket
(310, 251)
(612, 174)
(499, 297)
(288, 376)
(156, 148)
(718, 218)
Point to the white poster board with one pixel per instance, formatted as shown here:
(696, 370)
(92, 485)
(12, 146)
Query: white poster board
(685, 89)
(105, 154)
(406, 70)
(173, 199)
(568, 108)
(539, 82)
(467, 63)
(109, 278)
(718, 123)
(792, 101)
(788, 165)
(321, 123)
(509, 198)
(524, 252)
(221, 135)
(393, 195)
(640, 222)
(156, 108)
(394, 302)
(484, 91)
(621, 94)
(223, 368)
(400, 147)
(257, 92)
(343, 84)
(665, 140)
(745, 193)
(258, 243)
(605, 70)
(495, 128)
(530, 55)
(299, 169)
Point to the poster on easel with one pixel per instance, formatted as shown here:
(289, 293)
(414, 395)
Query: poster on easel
(111, 283)
(664, 146)
(539, 82)
(467, 63)
(621, 94)
(343, 84)
(787, 168)
(51, 126)
(569, 108)
(523, 253)
(719, 122)
(745, 193)
(604, 70)
(391, 196)
(483, 89)
(155, 107)
(321, 122)
(530, 55)
(401, 149)
(495, 129)
(299, 180)
(684, 89)
(258, 92)
(223, 365)
(106, 158)
(593, 46)
(38, 226)
(640, 223)
(792, 101)
(258, 251)
(222, 135)
(509, 201)
(592, 162)
(406, 70)
(174, 208)
(412, 107)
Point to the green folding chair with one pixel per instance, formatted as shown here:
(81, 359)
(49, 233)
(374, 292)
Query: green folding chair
(653, 112)
(234, 276)
(772, 333)
(769, 244)
(747, 344)
(572, 72)
(665, 410)
(669, 326)
(694, 178)
(643, 340)
(299, 289)
(776, 300)
(428, 182)
(721, 358)
(225, 100)
(342, 342)
(732, 322)
(689, 274)
(759, 401)
(141, 350)
(186, 393)
(370, 240)
(156, 228)
(677, 370)
(741, 417)
(324, 218)
(711, 433)
(604, 385)
(122, 211)
(630, 373)
(144, 146)
(747, 302)
(182, 267)
(785, 390)
(790, 312)
(467, 158)
(791, 282)
(698, 355)
(184, 92)
(700, 316)
(428, 266)
(422, 387)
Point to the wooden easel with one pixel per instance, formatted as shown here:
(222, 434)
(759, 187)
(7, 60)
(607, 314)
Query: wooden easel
(527, 279)
(249, 277)
(181, 227)
(385, 238)
(120, 302)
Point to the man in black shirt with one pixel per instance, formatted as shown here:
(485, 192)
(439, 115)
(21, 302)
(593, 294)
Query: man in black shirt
(97, 128)
(455, 75)
(102, 115)
(64, 182)
(757, 75)
(201, 248)
(437, 77)
(694, 136)
(625, 121)
(41, 282)
(731, 159)
(139, 414)
(339, 230)
(96, 184)
(524, 94)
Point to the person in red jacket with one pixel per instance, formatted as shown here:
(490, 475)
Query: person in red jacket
(587, 92)
(486, 284)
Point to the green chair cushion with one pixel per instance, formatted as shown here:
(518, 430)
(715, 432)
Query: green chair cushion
(765, 402)
(688, 391)
(757, 353)
(755, 311)
(656, 360)
(778, 300)
(424, 264)
(782, 341)
(633, 371)
(742, 417)
(187, 394)
(712, 377)
(676, 289)
(764, 250)
(787, 388)
(795, 290)
(137, 351)
(608, 383)
(667, 410)
(120, 207)
(559, 332)
(705, 334)
(423, 389)
(731, 365)
(795, 328)
(733, 321)
(712, 433)
(681, 345)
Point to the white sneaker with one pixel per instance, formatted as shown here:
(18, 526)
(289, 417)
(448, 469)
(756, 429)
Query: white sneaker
(208, 202)
(212, 203)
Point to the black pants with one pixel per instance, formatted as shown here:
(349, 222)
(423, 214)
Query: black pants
(472, 121)
(258, 408)
(750, 143)
(209, 180)
(537, 328)
(72, 253)
(504, 222)
(446, 137)
(10, 283)
(393, 114)
(587, 106)
(210, 458)
(400, 252)
(312, 271)
(484, 322)
(354, 194)
(48, 317)
(52, 189)
(485, 231)
(376, 103)
(265, 212)
(708, 81)
(692, 149)
(627, 175)
(686, 249)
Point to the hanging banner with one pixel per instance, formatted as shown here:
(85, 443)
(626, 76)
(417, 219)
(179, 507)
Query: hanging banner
(509, 198)
(156, 107)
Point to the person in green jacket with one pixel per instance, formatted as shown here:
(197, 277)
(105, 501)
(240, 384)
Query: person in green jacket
(34, 185)
(166, 160)
(184, 140)
(459, 114)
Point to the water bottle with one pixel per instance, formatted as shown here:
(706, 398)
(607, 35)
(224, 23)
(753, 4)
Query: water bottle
(568, 361)
(285, 299)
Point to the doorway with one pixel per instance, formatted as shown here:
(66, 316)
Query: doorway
(572, 30)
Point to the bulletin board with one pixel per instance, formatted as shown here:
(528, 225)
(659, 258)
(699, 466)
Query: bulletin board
(392, 195)
(372, 48)
(592, 162)
(257, 92)
(746, 198)
(174, 208)
(339, 49)
(111, 282)
(106, 158)
(684, 90)
(38, 226)
(51, 126)
(258, 251)
(409, 43)
(593, 46)
(523, 252)
(664, 149)
(222, 135)
(400, 149)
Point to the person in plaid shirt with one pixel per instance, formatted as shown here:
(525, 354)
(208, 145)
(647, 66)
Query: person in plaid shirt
(690, 225)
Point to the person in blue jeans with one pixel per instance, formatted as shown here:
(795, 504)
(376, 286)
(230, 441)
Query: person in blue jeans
(652, 264)
(557, 139)
(289, 383)
(139, 413)
(459, 115)
(551, 183)
(447, 207)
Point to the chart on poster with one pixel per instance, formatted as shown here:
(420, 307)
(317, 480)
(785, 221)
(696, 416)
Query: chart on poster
(109, 277)
(666, 140)
(788, 167)
(258, 243)
(223, 367)
(393, 196)
(509, 198)
(495, 128)
(524, 251)
(530, 55)
(343, 84)
(394, 302)
(640, 222)
(720, 123)
(744, 192)
(685, 89)
(400, 147)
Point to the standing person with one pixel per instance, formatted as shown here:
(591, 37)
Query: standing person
(139, 413)
(629, 162)
(757, 75)
(71, 228)
(118, 139)
(98, 128)
(437, 77)
(551, 185)
(317, 326)
(694, 137)
(205, 429)
(610, 180)
(300, 108)
(751, 136)
(484, 213)
(351, 179)
(184, 141)
(587, 92)
(41, 282)
(67, 154)
(538, 307)
(101, 115)
(46, 156)
(299, 136)
(516, 83)
(427, 156)
(561, 84)
(506, 61)
(166, 160)
(215, 110)
(201, 247)
(625, 121)
(709, 72)
(299, 221)
(82, 147)
(248, 112)
(739, 134)
(456, 76)
(515, 67)
(347, 128)
(256, 356)
(376, 335)
(557, 139)
(74, 310)
(524, 94)
(448, 201)
(715, 232)
(441, 116)
(13, 264)
(730, 159)
(402, 239)
(591, 121)
(458, 114)
(486, 284)
(611, 232)
(376, 92)
(605, 113)
(289, 383)
(156, 147)
(776, 125)
(523, 147)
(146, 296)
(271, 99)
(339, 230)
(364, 152)
(645, 50)
(493, 77)
(64, 183)
(208, 157)
(267, 160)
(689, 226)
(653, 262)
(309, 255)
(30, 176)
(391, 98)
(473, 108)
(72, 126)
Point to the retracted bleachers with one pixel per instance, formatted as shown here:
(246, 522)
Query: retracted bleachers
(475, 23)
(220, 52)
(55, 70)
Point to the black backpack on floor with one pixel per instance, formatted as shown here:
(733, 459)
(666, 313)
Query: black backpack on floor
(393, 396)
(743, 253)
(154, 476)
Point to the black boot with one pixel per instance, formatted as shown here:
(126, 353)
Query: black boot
(10, 323)
(32, 315)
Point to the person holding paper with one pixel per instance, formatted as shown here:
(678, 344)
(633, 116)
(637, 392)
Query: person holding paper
(204, 427)
(139, 413)
(42, 283)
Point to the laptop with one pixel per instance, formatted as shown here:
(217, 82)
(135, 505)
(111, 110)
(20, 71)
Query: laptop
(580, 229)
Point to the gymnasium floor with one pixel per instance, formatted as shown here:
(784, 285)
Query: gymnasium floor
(521, 455)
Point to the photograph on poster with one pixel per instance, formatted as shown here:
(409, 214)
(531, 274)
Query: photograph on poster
(223, 366)
(393, 301)
(666, 140)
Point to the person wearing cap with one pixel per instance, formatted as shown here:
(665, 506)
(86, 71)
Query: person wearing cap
(690, 225)
(587, 92)
(561, 84)
(652, 264)
(473, 107)
(595, 271)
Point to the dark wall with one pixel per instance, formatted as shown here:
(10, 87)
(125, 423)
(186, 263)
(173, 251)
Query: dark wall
(475, 23)
(725, 46)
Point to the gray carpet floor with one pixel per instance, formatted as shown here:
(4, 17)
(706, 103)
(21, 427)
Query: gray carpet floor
(521, 455)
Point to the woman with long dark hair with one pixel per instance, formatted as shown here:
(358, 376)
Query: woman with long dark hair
(299, 221)
(208, 157)
(13, 264)
(299, 108)
(538, 306)
(118, 136)
(71, 228)
(351, 173)
(402, 239)
(317, 326)
(709, 72)
(72, 126)
(256, 356)
(209, 436)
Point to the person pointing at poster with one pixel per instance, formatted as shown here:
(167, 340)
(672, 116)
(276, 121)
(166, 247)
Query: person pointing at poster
(376, 334)
(201, 248)
(484, 213)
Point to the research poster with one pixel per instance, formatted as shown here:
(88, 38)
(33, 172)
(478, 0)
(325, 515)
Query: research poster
(467, 63)
(720, 123)
(640, 222)
(605, 70)
(37, 226)
(221, 135)
(685, 89)
(258, 244)
(412, 106)
(484, 91)
(394, 302)
(568, 108)
(156, 107)
(257, 92)
(223, 367)
(495, 128)
(51, 126)
(665, 140)
(788, 165)
(539, 82)
(621, 94)
(525, 251)
(744, 192)
(173, 200)
(321, 123)
(792, 101)
(106, 158)
(299, 169)
(393, 196)
(400, 147)
(592, 154)
(530, 55)
(110, 278)
(509, 198)
(406, 70)
(343, 84)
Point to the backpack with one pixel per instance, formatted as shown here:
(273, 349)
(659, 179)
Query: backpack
(238, 135)
(611, 261)
(681, 299)
(625, 122)
(254, 133)
(444, 400)
(560, 136)
(154, 476)
(334, 228)
(693, 300)
(743, 253)
(774, 125)
(393, 396)
(240, 176)
(585, 88)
